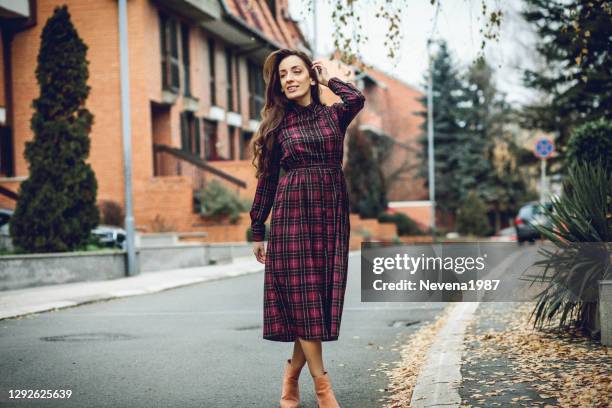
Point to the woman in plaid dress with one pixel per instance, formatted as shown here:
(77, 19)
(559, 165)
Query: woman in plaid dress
(307, 253)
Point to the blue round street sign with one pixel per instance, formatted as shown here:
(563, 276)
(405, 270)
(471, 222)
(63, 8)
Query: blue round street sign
(544, 148)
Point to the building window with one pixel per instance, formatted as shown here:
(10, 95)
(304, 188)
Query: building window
(229, 75)
(238, 100)
(211, 69)
(185, 49)
(231, 133)
(244, 144)
(169, 53)
(6, 152)
(210, 140)
(272, 7)
(256, 91)
(190, 133)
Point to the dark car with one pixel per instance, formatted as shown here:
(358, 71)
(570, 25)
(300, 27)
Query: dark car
(530, 215)
(5, 218)
(505, 235)
(111, 236)
(108, 235)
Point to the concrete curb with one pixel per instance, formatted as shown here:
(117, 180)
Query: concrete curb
(441, 374)
(21, 302)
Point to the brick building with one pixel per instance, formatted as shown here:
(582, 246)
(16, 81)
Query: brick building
(196, 90)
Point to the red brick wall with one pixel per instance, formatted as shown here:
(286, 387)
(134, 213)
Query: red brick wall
(103, 101)
(396, 108)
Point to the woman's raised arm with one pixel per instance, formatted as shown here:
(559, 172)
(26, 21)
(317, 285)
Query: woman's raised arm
(352, 100)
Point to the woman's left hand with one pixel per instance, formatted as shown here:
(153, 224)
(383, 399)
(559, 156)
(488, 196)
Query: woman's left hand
(321, 71)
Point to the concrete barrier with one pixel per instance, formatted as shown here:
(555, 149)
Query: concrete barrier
(30, 270)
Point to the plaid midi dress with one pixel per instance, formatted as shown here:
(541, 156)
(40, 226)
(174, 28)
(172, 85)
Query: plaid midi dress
(307, 251)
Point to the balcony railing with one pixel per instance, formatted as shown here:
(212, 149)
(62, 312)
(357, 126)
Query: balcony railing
(170, 161)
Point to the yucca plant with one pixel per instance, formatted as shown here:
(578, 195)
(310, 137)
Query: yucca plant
(583, 214)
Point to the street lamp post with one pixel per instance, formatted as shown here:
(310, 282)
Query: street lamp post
(430, 143)
(430, 127)
(127, 137)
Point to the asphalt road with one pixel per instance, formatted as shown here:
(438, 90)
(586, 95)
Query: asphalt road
(196, 346)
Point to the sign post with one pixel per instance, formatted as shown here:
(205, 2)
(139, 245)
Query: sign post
(544, 148)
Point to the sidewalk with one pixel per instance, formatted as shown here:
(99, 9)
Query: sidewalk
(15, 303)
(508, 363)
(488, 355)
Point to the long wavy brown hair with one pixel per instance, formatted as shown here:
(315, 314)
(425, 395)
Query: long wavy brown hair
(264, 143)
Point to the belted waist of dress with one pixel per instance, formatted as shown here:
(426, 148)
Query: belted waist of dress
(330, 166)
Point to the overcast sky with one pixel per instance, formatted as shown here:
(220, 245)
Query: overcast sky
(458, 23)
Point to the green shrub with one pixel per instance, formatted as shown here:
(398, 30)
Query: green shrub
(111, 213)
(217, 202)
(365, 233)
(581, 214)
(405, 224)
(590, 142)
(472, 216)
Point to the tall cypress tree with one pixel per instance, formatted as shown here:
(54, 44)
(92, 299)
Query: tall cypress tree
(57, 209)
(447, 90)
(574, 41)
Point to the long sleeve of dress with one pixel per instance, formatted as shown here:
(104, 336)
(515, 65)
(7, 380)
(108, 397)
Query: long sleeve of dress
(352, 100)
(264, 198)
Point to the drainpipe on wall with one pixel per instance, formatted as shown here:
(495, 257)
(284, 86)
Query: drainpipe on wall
(126, 131)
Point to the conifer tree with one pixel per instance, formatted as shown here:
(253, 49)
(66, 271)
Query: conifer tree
(447, 90)
(574, 42)
(482, 116)
(57, 209)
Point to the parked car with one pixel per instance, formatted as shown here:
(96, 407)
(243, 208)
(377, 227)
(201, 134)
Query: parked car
(529, 216)
(505, 235)
(109, 235)
(5, 217)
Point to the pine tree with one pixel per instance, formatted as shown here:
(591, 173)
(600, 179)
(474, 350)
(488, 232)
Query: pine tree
(57, 206)
(446, 114)
(478, 116)
(574, 41)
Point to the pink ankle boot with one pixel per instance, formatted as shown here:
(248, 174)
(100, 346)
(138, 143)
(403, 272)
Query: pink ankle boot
(290, 394)
(324, 392)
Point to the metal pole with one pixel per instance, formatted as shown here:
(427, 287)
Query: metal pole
(430, 143)
(542, 180)
(127, 137)
(430, 127)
